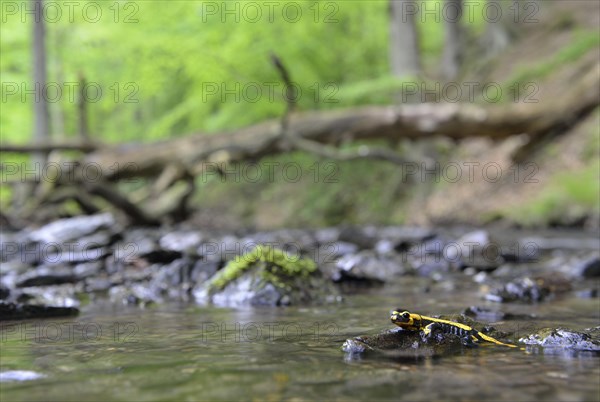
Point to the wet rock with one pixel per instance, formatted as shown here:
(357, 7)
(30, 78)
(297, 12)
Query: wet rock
(11, 245)
(203, 270)
(73, 256)
(266, 276)
(385, 246)
(364, 238)
(563, 338)
(132, 274)
(14, 267)
(138, 242)
(88, 269)
(554, 243)
(57, 295)
(330, 252)
(224, 249)
(17, 311)
(171, 276)
(530, 290)
(476, 249)
(401, 238)
(399, 343)
(138, 250)
(4, 292)
(365, 266)
(140, 294)
(434, 246)
(97, 284)
(588, 268)
(70, 229)
(520, 252)
(327, 235)
(482, 313)
(245, 291)
(430, 265)
(44, 276)
(183, 242)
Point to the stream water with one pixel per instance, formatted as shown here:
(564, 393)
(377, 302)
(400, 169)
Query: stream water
(186, 352)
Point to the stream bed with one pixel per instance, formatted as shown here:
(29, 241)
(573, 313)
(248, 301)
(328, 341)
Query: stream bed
(180, 351)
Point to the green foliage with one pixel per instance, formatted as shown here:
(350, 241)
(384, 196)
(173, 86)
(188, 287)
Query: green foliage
(278, 265)
(170, 68)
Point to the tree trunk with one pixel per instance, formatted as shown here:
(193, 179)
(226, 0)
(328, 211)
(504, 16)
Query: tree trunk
(40, 106)
(503, 28)
(404, 44)
(453, 39)
(82, 117)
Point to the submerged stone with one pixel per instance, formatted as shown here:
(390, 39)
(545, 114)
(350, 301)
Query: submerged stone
(401, 343)
(18, 311)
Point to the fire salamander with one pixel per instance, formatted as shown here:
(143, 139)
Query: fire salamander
(416, 322)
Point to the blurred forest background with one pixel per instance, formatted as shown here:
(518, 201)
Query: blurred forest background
(157, 63)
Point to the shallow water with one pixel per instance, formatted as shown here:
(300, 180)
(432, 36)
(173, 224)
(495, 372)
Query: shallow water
(185, 352)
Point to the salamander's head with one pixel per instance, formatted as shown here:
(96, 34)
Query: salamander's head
(402, 318)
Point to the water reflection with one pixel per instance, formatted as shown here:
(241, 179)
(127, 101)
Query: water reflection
(187, 352)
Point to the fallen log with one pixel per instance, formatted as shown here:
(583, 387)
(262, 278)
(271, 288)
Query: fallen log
(415, 121)
(319, 133)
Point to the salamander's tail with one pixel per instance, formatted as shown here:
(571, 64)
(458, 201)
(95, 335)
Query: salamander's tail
(497, 342)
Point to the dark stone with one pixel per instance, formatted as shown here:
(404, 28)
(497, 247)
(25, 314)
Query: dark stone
(16, 311)
(171, 275)
(4, 292)
(400, 239)
(430, 265)
(362, 237)
(399, 343)
(482, 313)
(530, 290)
(476, 249)
(203, 270)
(589, 268)
(73, 256)
(161, 256)
(365, 266)
(330, 252)
(44, 276)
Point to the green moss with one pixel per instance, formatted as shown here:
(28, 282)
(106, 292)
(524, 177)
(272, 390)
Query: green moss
(278, 267)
